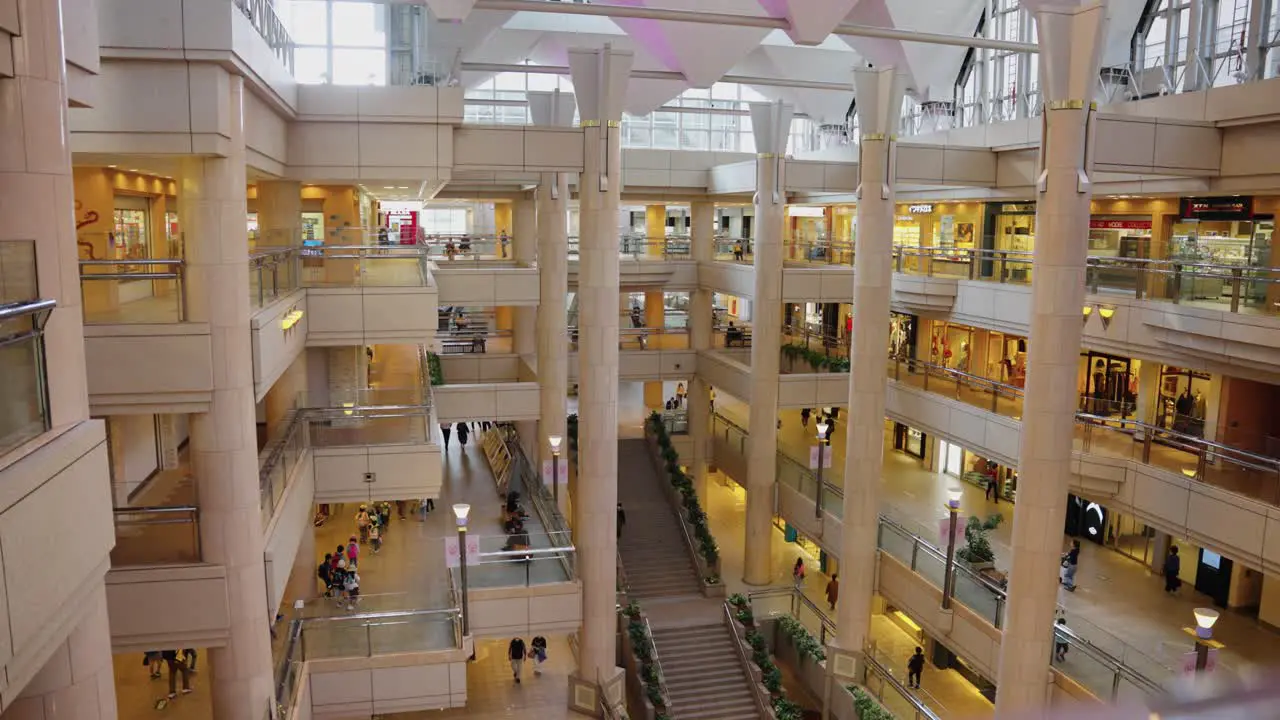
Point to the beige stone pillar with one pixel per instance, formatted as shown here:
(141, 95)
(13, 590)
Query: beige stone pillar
(552, 199)
(655, 230)
(279, 213)
(37, 190)
(224, 453)
(702, 241)
(600, 80)
(879, 104)
(78, 681)
(1070, 46)
(771, 123)
(655, 316)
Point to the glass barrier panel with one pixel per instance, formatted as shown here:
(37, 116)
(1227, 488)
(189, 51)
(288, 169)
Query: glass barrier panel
(23, 393)
(932, 567)
(896, 543)
(494, 572)
(156, 536)
(363, 428)
(978, 597)
(340, 637)
(149, 294)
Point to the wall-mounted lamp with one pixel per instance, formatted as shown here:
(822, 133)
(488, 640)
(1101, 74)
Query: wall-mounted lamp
(291, 318)
(1085, 312)
(1106, 312)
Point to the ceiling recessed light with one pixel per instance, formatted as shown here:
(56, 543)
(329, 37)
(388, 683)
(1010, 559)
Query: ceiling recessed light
(403, 187)
(388, 187)
(111, 166)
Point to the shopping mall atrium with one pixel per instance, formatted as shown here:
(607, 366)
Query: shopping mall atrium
(652, 359)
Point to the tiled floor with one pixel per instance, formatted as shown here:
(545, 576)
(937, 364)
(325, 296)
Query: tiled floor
(1120, 604)
(137, 694)
(148, 310)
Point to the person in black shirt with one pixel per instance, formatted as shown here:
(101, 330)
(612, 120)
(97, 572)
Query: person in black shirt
(176, 666)
(915, 666)
(1070, 562)
(1172, 566)
(516, 652)
(622, 519)
(538, 653)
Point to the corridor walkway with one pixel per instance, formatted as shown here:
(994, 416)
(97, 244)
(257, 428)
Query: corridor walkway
(1119, 606)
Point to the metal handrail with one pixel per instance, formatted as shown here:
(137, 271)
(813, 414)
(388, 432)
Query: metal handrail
(756, 692)
(874, 666)
(9, 311)
(657, 662)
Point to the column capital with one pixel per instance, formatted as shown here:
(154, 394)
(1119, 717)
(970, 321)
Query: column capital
(551, 109)
(1070, 33)
(600, 82)
(877, 96)
(771, 124)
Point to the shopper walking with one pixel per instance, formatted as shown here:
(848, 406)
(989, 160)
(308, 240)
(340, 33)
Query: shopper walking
(797, 573)
(463, 432)
(804, 417)
(325, 573)
(538, 653)
(680, 395)
(363, 521)
(915, 666)
(189, 657)
(353, 553)
(516, 652)
(1172, 567)
(622, 519)
(153, 660)
(176, 667)
(1070, 563)
(833, 591)
(445, 430)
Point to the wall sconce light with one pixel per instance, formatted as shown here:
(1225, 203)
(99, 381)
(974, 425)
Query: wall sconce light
(1086, 311)
(1106, 312)
(290, 319)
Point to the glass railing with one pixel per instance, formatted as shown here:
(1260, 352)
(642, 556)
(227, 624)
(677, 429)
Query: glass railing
(535, 490)
(521, 560)
(474, 341)
(133, 291)
(642, 338)
(274, 272)
(24, 392)
(639, 247)
(366, 634)
(357, 426)
(156, 536)
(278, 461)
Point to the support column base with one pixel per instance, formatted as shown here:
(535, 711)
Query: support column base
(585, 695)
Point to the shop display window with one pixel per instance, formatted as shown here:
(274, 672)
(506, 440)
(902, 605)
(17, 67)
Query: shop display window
(902, 334)
(1107, 385)
(1183, 399)
(951, 346)
(130, 240)
(172, 235)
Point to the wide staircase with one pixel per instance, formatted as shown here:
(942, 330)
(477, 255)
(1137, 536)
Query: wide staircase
(654, 555)
(704, 678)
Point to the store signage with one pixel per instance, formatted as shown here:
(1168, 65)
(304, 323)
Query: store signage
(1097, 224)
(1217, 208)
(1018, 208)
(920, 209)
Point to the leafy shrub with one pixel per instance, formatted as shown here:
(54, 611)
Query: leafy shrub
(977, 548)
(786, 709)
(806, 645)
(866, 707)
(434, 370)
(705, 542)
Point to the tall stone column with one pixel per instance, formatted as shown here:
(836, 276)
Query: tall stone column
(78, 681)
(1070, 51)
(224, 451)
(655, 230)
(554, 109)
(600, 81)
(702, 241)
(279, 213)
(770, 123)
(879, 94)
(38, 197)
(524, 247)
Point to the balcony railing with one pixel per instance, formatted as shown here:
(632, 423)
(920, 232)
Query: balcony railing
(276, 272)
(168, 535)
(24, 379)
(262, 14)
(133, 291)
(639, 247)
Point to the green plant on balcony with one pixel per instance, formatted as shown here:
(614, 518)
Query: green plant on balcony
(866, 707)
(806, 645)
(977, 545)
(738, 601)
(434, 371)
(772, 681)
(705, 543)
(786, 709)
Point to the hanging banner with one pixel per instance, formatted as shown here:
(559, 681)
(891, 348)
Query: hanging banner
(813, 458)
(564, 471)
(452, 554)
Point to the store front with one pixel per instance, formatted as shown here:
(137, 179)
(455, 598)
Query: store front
(1107, 384)
(902, 334)
(1223, 231)
(1086, 519)
(811, 552)
(1009, 231)
(977, 470)
(940, 226)
(1182, 404)
(910, 441)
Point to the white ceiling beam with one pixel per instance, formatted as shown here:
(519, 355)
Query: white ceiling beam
(708, 18)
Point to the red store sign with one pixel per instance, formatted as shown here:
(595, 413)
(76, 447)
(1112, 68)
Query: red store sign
(1095, 224)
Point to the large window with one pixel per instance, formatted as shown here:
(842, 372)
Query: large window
(338, 41)
(714, 119)
(444, 221)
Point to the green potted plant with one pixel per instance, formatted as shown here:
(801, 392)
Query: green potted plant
(977, 552)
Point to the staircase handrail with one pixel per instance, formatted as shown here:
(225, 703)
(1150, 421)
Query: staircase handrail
(757, 692)
(657, 662)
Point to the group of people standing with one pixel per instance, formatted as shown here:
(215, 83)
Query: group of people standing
(183, 664)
